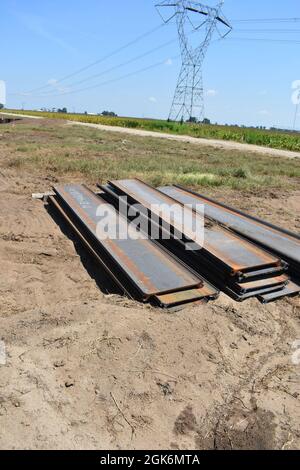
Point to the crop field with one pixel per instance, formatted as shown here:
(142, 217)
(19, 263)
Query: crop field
(267, 138)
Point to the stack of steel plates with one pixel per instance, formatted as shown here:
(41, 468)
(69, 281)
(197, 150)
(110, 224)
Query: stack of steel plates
(235, 265)
(276, 240)
(140, 267)
(190, 259)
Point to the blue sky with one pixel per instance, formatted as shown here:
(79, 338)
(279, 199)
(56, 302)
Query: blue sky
(246, 82)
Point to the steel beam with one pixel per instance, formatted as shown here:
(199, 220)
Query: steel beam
(283, 243)
(151, 270)
(229, 251)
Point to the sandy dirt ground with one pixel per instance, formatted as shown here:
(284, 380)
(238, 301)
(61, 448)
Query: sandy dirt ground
(89, 369)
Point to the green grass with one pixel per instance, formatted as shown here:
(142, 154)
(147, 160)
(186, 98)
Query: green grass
(90, 155)
(266, 138)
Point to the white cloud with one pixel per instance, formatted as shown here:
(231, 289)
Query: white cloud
(152, 99)
(264, 112)
(211, 92)
(169, 62)
(52, 82)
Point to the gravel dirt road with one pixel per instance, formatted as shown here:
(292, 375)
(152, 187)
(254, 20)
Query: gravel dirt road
(221, 144)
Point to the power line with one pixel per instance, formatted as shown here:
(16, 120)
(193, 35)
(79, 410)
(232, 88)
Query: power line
(281, 20)
(82, 69)
(134, 59)
(115, 67)
(267, 30)
(268, 20)
(144, 69)
(283, 41)
(102, 59)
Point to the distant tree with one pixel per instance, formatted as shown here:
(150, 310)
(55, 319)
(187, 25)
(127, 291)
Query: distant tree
(109, 113)
(206, 121)
(1, 106)
(62, 110)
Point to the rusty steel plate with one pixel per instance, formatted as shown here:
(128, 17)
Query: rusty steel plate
(292, 289)
(227, 248)
(191, 295)
(150, 268)
(281, 242)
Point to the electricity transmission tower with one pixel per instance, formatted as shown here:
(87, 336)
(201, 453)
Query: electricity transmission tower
(188, 102)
